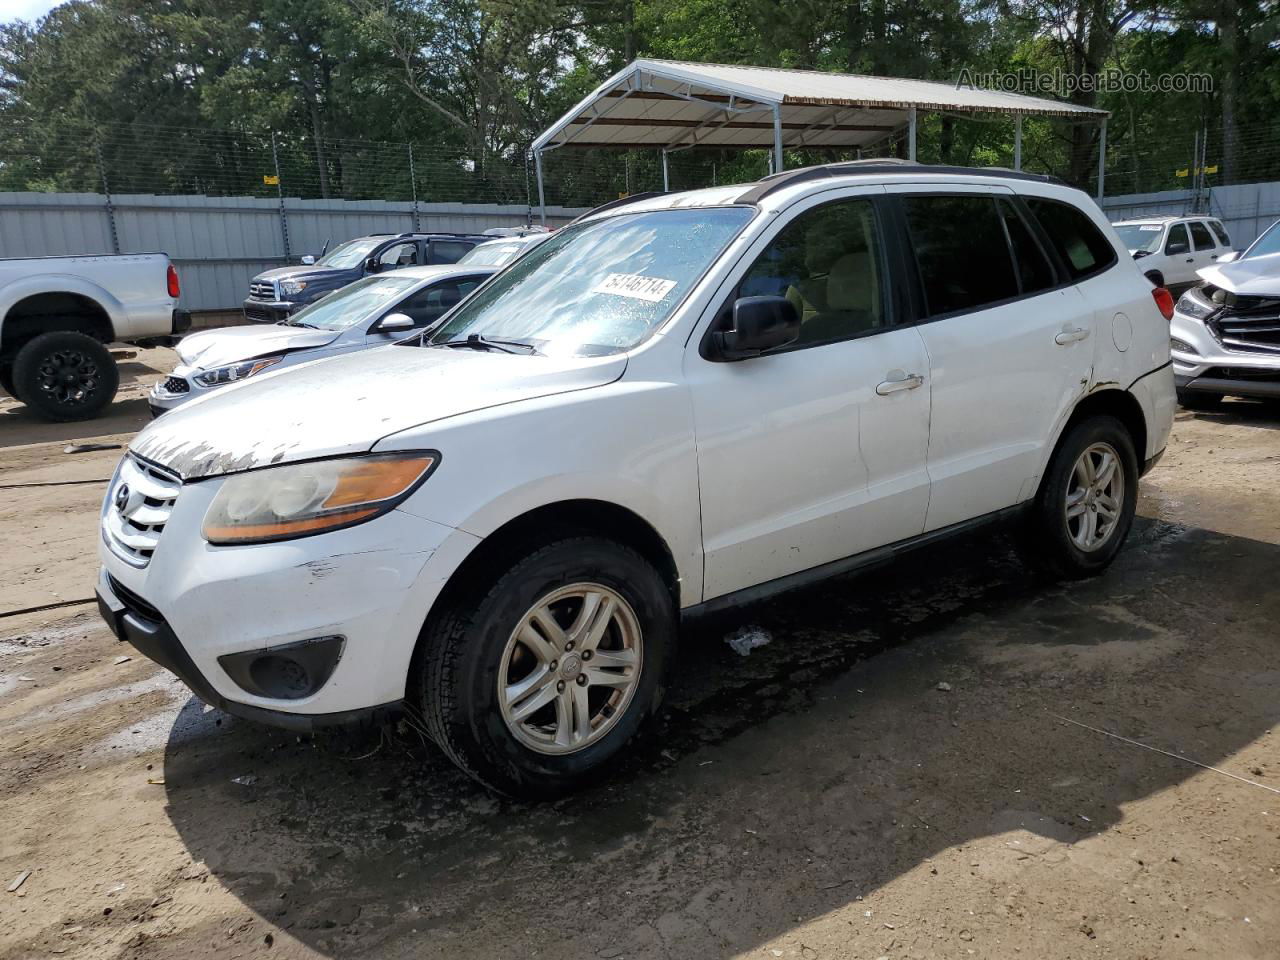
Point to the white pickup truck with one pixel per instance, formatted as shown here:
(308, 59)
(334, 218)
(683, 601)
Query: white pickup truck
(57, 314)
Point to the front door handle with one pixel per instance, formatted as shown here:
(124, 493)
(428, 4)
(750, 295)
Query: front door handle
(1070, 336)
(1191, 259)
(906, 382)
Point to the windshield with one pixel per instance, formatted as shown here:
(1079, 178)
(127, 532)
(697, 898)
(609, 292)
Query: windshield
(492, 254)
(600, 287)
(1140, 236)
(1266, 244)
(346, 307)
(349, 254)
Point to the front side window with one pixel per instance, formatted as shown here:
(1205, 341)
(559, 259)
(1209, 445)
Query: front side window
(599, 287)
(399, 255)
(1079, 243)
(961, 251)
(346, 307)
(829, 262)
(429, 305)
(1200, 234)
(1221, 231)
(1178, 241)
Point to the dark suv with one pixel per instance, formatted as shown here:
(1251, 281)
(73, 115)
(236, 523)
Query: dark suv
(275, 294)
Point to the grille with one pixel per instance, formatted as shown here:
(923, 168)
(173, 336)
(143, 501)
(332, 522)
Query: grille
(176, 385)
(1243, 373)
(1249, 325)
(134, 518)
(262, 290)
(134, 603)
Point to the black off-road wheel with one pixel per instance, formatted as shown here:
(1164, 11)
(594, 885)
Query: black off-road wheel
(1086, 502)
(533, 683)
(65, 376)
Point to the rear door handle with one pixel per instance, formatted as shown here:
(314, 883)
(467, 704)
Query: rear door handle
(1070, 336)
(908, 382)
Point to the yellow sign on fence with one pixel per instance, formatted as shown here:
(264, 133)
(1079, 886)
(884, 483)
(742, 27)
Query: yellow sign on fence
(270, 181)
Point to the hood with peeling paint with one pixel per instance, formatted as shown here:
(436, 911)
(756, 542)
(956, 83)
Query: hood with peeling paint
(1250, 277)
(346, 404)
(217, 348)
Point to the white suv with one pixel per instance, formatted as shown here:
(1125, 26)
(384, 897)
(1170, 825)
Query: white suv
(676, 404)
(1170, 250)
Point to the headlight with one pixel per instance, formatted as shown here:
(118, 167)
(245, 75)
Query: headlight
(1181, 346)
(278, 503)
(1191, 304)
(234, 372)
(291, 288)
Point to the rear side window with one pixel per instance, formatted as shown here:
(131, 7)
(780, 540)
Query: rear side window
(961, 251)
(1200, 234)
(1034, 270)
(1079, 243)
(1221, 231)
(448, 251)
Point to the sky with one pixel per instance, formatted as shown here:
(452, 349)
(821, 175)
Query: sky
(25, 9)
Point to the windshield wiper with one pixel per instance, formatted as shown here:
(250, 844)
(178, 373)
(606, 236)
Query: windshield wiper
(298, 323)
(476, 341)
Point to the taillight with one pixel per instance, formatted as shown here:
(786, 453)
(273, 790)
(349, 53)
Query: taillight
(1163, 298)
(172, 279)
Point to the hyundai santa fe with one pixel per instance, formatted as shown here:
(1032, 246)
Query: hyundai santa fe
(674, 405)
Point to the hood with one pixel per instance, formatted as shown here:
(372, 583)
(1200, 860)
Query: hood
(303, 273)
(346, 404)
(1252, 277)
(217, 348)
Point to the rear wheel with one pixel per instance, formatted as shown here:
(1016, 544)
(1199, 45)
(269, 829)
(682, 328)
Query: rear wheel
(1086, 502)
(64, 375)
(1156, 278)
(533, 686)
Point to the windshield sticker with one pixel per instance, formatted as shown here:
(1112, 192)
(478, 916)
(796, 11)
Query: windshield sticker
(1150, 228)
(636, 286)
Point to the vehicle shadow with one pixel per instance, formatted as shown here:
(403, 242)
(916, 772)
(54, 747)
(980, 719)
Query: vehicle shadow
(128, 413)
(778, 786)
(1254, 413)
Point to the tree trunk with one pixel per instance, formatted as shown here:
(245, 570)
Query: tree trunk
(1229, 38)
(317, 134)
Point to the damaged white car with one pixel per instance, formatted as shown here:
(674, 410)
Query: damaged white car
(372, 312)
(1225, 333)
(677, 404)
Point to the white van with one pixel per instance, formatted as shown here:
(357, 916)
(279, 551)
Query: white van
(674, 405)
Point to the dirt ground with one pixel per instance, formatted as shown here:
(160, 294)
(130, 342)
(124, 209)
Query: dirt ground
(915, 766)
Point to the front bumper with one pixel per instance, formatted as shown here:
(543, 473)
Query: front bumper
(1213, 369)
(268, 311)
(194, 604)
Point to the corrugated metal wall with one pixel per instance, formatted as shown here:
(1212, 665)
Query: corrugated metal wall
(1245, 210)
(219, 243)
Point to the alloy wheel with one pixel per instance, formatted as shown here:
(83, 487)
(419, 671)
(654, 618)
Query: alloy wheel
(1095, 497)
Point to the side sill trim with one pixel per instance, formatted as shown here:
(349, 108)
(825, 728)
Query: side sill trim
(858, 562)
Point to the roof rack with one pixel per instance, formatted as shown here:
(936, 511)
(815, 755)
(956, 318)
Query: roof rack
(887, 166)
(620, 202)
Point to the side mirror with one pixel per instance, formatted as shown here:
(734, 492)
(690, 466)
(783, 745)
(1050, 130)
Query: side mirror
(395, 321)
(371, 265)
(1177, 248)
(308, 260)
(759, 324)
(1139, 254)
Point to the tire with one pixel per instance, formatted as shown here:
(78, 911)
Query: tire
(65, 376)
(1196, 400)
(468, 652)
(1156, 278)
(1053, 541)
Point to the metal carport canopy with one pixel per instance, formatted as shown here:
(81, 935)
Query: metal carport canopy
(670, 105)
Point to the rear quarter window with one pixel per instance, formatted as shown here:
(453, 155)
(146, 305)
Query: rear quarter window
(1080, 245)
(1221, 231)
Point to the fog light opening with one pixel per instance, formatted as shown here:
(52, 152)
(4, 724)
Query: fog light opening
(291, 672)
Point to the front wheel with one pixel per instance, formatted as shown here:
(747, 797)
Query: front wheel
(534, 685)
(1085, 506)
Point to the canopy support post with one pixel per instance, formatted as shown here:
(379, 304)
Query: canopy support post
(666, 174)
(911, 134)
(777, 138)
(1102, 156)
(542, 197)
(1017, 143)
